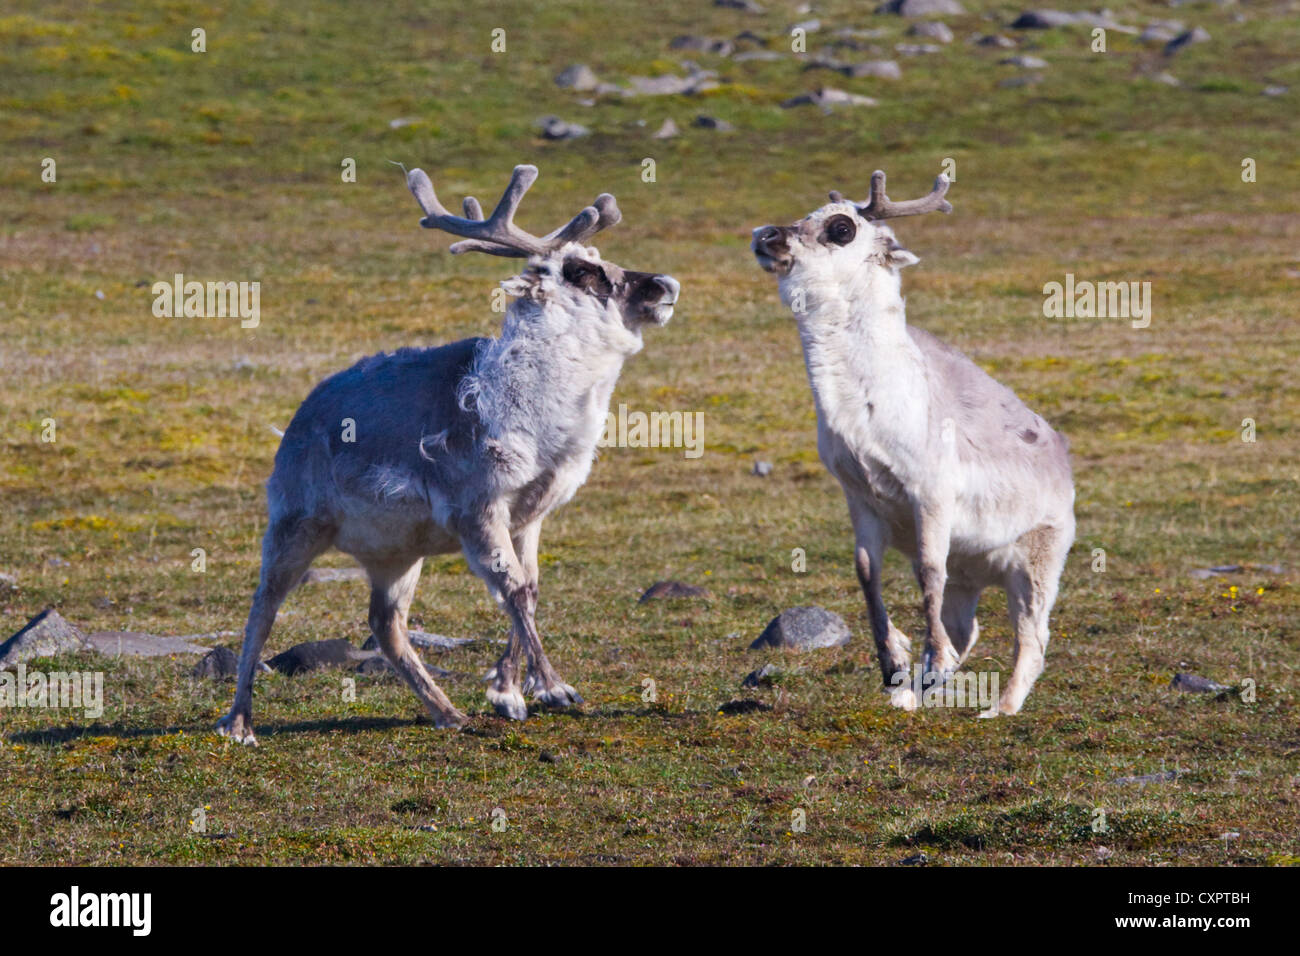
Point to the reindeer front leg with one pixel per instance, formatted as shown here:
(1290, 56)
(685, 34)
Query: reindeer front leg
(492, 555)
(934, 534)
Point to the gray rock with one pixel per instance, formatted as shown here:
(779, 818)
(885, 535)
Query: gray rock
(320, 575)
(759, 55)
(1025, 62)
(1186, 39)
(45, 635)
(668, 85)
(698, 44)
(1195, 684)
(804, 629)
(826, 98)
(762, 677)
(1275, 89)
(762, 469)
(917, 49)
(746, 705)
(916, 859)
(1160, 31)
(1047, 19)
(578, 77)
(922, 8)
(1168, 79)
(879, 69)
(662, 590)
(712, 122)
(8, 581)
(137, 644)
(220, 663)
(935, 30)
(667, 131)
(315, 655)
(807, 26)
(553, 127)
(747, 6)
(997, 41)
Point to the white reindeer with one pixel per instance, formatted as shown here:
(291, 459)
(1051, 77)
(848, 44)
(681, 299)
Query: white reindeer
(467, 446)
(935, 457)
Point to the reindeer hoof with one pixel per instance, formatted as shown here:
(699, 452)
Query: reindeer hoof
(508, 702)
(451, 719)
(238, 728)
(558, 696)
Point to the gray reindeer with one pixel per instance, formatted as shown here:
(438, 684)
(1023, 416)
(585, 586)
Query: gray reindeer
(466, 446)
(935, 457)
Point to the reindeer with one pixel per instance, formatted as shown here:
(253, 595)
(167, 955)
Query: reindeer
(935, 457)
(466, 446)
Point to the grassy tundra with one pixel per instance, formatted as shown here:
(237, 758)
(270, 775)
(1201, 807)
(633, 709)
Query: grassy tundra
(225, 165)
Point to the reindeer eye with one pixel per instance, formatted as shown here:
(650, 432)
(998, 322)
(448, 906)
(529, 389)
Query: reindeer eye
(841, 230)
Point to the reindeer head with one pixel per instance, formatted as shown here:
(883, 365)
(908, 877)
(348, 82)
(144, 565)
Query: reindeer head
(561, 269)
(835, 244)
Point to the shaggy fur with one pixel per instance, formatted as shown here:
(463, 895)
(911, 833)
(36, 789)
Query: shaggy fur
(466, 446)
(935, 457)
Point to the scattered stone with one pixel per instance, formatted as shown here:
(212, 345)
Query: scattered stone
(667, 131)
(401, 121)
(935, 30)
(762, 469)
(136, 644)
(996, 40)
(922, 8)
(1195, 684)
(746, 706)
(9, 581)
(712, 122)
(748, 6)
(579, 77)
(761, 677)
(807, 26)
(917, 49)
(826, 98)
(698, 44)
(318, 575)
(879, 69)
(553, 127)
(545, 756)
(761, 55)
(45, 635)
(804, 629)
(1026, 62)
(1214, 571)
(1275, 90)
(916, 859)
(1185, 39)
(1165, 776)
(1047, 19)
(667, 590)
(696, 81)
(1160, 31)
(220, 663)
(424, 639)
(315, 655)
(1168, 79)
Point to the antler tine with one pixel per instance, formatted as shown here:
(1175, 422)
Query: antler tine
(498, 235)
(879, 206)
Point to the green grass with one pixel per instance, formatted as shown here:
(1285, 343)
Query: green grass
(226, 165)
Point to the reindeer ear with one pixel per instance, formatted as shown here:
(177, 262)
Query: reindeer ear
(900, 258)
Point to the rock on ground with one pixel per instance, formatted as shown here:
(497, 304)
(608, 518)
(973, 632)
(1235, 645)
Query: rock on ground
(138, 644)
(220, 663)
(1195, 684)
(827, 97)
(45, 635)
(922, 8)
(1185, 39)
(553, 127)
(804, 629)
(935, 30)
(671, 589)
(579, 77)
(315, 655)
(667, 131)
(319, 575)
